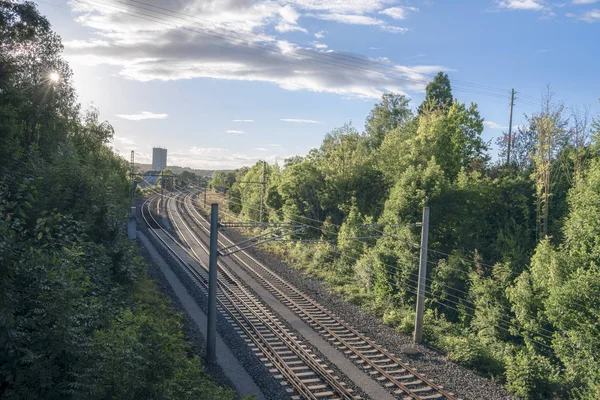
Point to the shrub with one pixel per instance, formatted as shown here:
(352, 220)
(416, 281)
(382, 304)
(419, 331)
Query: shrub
(531, 375)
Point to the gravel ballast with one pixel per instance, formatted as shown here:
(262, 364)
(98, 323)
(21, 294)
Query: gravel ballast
(270, 387)
(465, 383)
(306, 342)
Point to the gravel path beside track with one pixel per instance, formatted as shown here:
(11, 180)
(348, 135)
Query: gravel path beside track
(455, 378)
(270, 387)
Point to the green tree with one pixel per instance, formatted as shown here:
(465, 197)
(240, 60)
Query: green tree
(222, 180)
(75, 317)
(301, 189)
(392, 112)
(551, 139)
(438, 94)
(251, 190)
(453, 137)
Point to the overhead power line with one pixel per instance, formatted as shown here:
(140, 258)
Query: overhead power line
(332, 59)
(413, 245)
(464, 303)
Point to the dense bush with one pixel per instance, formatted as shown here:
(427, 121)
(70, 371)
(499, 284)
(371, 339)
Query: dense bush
(513, 271)
(78, 316)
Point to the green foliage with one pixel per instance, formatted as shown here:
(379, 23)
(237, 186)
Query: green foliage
(222, 180)
(133, 369)
(78, 317)
(251, 189)
(438, 94)
(300, 189)
(582, 233)
(501, 297)
(531, 376)
(469, 351)
(452, 137)
(414, 189)
(385, 117)
(351, 230)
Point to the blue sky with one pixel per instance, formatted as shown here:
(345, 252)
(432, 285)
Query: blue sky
(224, 83)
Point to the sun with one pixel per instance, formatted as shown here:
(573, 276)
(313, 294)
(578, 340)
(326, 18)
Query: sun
(54, 77)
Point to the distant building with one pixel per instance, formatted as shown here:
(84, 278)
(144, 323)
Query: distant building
(159, 159)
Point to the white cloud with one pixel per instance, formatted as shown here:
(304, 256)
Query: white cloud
(260, 149)
(590, 16)
(124, 143)
(289, 20)
(383, 60)
(584, 1)
(288, 14)
(341, 6)
(219, 158)
(351, 19)
(243, 120)
(142, 115)
(535, 5)
(123, 140)
(319, 45)
(394, 29)
(320, 34)
(234, 132)
(235, 47)
(398, 12)
(494, 125)
(356, 19)
(301, 121)
(285, 27)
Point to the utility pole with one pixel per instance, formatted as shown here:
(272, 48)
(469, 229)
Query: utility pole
(264, 189)
(132, 165)
(131, 222)
(205, 190)
(418, 336)
(162, 185)
(512, 102)
(211, 330)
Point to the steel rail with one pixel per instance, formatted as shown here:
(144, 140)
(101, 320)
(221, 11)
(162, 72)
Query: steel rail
(315, 366)
(346, 342)
(279, 331)
(259, 342)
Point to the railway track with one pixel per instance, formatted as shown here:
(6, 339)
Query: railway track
(280, 349)
(382, 365)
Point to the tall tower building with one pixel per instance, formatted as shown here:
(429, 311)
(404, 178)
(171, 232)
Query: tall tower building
(159, 158)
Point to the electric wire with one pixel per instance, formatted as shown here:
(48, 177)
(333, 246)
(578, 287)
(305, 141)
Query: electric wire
(435, 265)
(315, 55)
(395, 283)
(519, 327)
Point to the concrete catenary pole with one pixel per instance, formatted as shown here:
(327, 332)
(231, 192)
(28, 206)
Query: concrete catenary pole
(211, 330)
(418, 336)
(512, 102)
(132, 176)
(162, 186)
(205, 190)
(131, 221)
(263, 190)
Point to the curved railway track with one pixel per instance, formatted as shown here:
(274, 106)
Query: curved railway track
(308, 376)
(382, 365)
